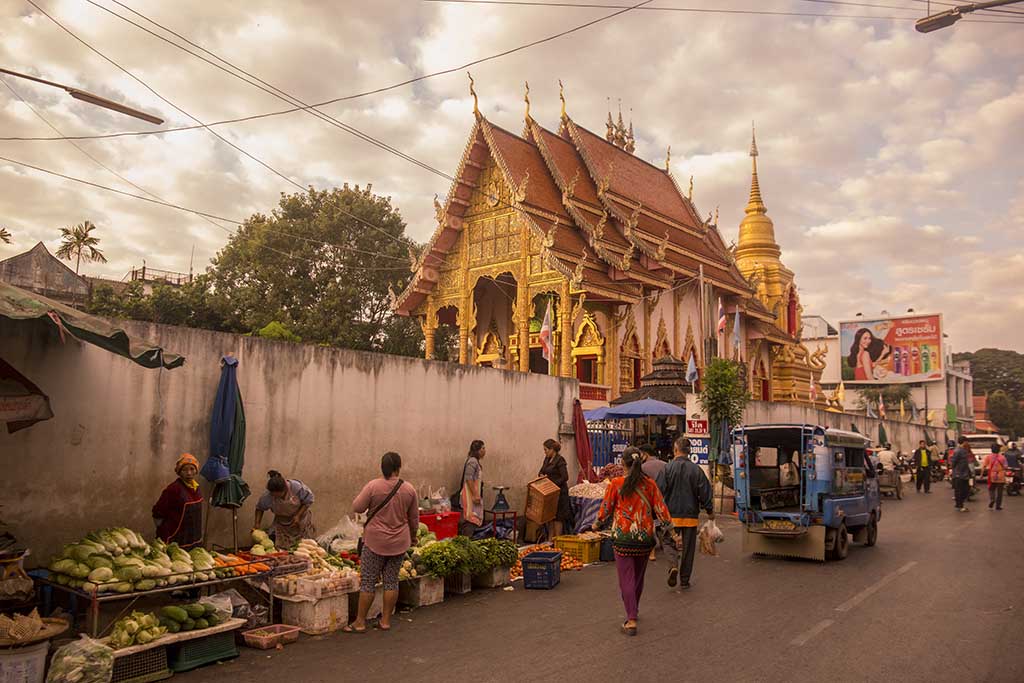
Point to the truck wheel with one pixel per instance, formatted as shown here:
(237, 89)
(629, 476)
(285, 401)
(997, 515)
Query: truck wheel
(842, 542)
(872, 536)
(830, 544)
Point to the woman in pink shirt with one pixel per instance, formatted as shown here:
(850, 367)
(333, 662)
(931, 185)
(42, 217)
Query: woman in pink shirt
(391, 526)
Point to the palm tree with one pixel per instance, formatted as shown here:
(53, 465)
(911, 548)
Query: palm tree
(78, 242)
(5, 236)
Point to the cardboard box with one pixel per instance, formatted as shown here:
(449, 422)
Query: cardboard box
(542, 500)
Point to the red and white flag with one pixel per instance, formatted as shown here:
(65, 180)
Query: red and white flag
(721, 317)
(547, 348)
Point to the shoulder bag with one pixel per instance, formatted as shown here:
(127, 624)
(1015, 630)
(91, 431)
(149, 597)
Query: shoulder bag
(456, 498)
(359, 544)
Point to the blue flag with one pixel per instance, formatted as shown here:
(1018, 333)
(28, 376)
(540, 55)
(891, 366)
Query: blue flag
(691, 370)
(736, 335)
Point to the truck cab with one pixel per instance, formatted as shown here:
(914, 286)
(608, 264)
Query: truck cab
(804, 490)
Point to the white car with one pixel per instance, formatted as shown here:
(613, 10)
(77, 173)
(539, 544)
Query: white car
(981, 445)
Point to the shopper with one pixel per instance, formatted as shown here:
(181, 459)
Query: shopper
(632, 502)
(393, 518)
(994, 466)
(471, 490)
(652, 467)
(290, 501)
(555, 468)
(687, 491)
(960, 468)
(179, 511)
(923, 461)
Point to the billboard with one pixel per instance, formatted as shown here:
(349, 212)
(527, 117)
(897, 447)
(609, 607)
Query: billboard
(891, 350)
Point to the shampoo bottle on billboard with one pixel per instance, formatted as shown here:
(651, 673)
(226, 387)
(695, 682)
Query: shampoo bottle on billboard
(897, 362)
(915, 357)
(925, 361)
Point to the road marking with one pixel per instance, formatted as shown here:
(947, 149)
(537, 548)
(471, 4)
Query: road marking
(802, 639)
(871, 590)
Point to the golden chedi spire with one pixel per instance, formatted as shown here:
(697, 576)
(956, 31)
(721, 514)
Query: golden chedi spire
(756, 242)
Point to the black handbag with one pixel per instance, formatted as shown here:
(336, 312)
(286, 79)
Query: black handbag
(359, 543)
(456, 498)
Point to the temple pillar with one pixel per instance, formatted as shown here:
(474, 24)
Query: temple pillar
(429, 326)
(648, 365)
(428, 345)
(523, 323)
(565, 323)
(612, 352)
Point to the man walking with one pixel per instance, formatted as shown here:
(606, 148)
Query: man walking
(995, 467)
(923, 460)
(652, 467)
(686, 491)
(959, 464)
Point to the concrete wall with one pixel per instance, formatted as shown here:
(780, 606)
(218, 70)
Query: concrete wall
(321, 415)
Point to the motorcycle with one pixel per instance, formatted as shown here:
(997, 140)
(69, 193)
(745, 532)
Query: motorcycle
(1013, 481)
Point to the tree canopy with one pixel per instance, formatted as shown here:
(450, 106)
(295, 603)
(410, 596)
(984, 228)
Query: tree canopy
(319, 267)
(996, 370)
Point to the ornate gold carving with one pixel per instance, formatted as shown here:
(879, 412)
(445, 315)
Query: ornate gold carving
(668, 158)
(438, 210)
(689, 193)
(577, 307)
(570, 188)
(414, 260)
(661, 346)
(577, 275)
(561, 96)
(627, 258)
(662, 249)
(599, 228)
(606, 181)
(632, 222)
(526, 98)
(548, 240)
(472, 91)
(588, 339)
(716, 216)
(520, 193)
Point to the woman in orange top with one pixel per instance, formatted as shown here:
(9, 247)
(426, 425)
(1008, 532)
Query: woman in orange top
(633, 502)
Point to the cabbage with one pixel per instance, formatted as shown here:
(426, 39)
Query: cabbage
(145, 585)
(89, 587)
(101, 574)
(128, 573)
(181, 567)
(80, 571)
(96, 561)
(63, 566)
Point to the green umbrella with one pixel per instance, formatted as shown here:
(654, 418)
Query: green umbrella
(883, 438)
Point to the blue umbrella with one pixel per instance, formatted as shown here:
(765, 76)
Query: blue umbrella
(227, 440)
(643, 408)
(596, 413)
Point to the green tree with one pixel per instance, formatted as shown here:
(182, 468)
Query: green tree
(5, 236)
(723, 397)
(891, 395)
(78, 242)
(316, 267)
(275, 330)
(1006, 413)
(995, 370)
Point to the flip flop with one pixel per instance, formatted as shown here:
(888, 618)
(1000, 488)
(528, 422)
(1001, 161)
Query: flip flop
(382, 627)
(349, 628)
(628, 630)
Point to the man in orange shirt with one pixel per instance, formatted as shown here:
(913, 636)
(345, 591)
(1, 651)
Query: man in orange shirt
(686, 491)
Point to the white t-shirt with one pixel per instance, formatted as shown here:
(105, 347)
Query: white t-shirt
(887, 459)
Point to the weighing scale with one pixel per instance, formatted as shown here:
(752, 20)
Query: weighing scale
(500, 503)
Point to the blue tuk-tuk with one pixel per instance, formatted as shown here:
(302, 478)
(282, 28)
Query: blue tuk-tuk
(804, 490)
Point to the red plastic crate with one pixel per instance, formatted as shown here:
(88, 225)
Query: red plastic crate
(443, 524)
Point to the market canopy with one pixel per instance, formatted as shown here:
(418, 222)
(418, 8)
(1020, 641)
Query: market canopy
(19, 304)
(643, 408)
(22, 403)
(596, 413)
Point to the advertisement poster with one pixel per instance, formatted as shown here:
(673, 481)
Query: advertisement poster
(700, 442)
(891, 350)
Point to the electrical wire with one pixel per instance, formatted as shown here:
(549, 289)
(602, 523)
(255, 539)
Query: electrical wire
(345, 98)
(699, 10)
(998, 10)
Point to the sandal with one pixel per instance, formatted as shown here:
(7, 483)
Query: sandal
(349, 628)
(382, 627)
(628, 630)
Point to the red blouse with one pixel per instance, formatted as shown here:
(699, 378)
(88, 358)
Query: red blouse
(633, 515)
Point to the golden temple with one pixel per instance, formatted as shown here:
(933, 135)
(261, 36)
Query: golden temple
(574, 223)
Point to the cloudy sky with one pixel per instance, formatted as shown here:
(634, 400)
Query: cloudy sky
(891, 161)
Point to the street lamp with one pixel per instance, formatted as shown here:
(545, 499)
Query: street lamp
(949, 17)
(90, 98)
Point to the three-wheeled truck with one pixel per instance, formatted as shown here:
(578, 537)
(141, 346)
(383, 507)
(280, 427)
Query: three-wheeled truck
(804, 490)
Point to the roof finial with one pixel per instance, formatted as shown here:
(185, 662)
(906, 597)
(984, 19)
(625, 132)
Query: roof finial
(472, 91)
(668, 158)
(561, 96)
(689, 195)
(716, 216)
(753, 140)
(609, 125)
(526, 98)
(622, 126)
(755, 204)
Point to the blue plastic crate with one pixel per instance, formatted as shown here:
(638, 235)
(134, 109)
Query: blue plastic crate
(542, 569)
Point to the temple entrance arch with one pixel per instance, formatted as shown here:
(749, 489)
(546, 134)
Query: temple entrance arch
(446, 338)
(491, 321)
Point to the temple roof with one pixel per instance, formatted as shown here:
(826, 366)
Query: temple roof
(624, 219)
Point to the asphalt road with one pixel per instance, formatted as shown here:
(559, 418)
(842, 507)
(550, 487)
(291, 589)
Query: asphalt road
(940, 598)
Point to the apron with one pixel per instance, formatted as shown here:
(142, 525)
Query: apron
(284, 510)
(186, 527)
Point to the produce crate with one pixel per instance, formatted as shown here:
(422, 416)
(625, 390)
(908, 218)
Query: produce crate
(316, 617)
(198, 652)
(542, 500)
(421, 591)
(584, 551)
(458, 583)
(496, 577)
(543, 569)
(142, 667)
(268, 637)
(443, 524)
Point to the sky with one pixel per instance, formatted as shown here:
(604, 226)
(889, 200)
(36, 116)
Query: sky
(890, 161)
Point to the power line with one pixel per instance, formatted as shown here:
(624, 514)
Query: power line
(699, 10)
(344, 98)
(951, 4)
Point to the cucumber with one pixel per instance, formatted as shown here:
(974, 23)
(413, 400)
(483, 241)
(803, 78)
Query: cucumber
(208, 608)
(174, 613)
(195, 610)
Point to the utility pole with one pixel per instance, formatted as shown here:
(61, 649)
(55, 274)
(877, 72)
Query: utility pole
(945, 19)
(89, 97)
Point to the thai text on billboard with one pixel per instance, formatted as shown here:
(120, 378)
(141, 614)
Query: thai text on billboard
(891, 350)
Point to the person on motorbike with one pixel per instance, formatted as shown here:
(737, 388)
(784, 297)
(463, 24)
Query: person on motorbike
(886, 457)
(1013, 456)
(1013, 464)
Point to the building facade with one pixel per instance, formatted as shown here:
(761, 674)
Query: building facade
(566, 235)
(39, 271)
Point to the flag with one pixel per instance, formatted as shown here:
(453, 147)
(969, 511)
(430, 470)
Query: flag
(547, 348)
(881, 410)
(903, 411)
(691, 370)
(737, 350)
(721, 317)
(913, 412)
(814, 391)
(869, 411)
(930, 417)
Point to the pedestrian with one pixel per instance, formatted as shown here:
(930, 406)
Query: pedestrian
(555, 468)
(960, 468)
(179, 511)
(393, 518)
(1013, 456)
(994, 466)
(923, 461)
(652, 467)
(471, 490)
(687, 491)
(633, 503)
(289, 500)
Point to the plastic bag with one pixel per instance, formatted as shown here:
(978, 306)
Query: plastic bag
(708, 536)
(348, 529)
(221, 604)
(237, 606)
(83, 661)
(439, 500)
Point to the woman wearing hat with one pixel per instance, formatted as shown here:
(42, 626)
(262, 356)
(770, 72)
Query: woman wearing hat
(179, 512)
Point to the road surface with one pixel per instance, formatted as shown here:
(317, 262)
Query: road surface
(938, 599)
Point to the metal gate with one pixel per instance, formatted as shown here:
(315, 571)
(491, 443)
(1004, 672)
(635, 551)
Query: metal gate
(607, 444)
